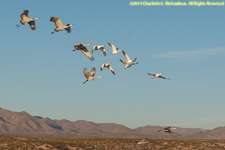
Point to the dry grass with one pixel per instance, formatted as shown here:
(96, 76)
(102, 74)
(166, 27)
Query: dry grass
(29, 143)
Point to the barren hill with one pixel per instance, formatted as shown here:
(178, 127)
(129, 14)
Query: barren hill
(22, 123)
(217, 133)
(152, 132)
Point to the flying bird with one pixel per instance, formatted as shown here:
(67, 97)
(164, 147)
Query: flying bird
(59, 25)
(157, 76)
(168, 130)
(26, 19)
(114, 49)
(101, 47)
(108, 66)
(90, 75)
(84, 50)
(129, 62)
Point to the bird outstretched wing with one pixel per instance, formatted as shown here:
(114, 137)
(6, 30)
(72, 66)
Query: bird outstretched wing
(57, 21)
(151, 74)
(92, 72)
(94, 48)
(68, 29)
(86, 73)
(103, 51)
(24, 15)
(123, 62)
(32, 25)
(112, 46)
(102, 66)
(111, 69)
(127, 57)
(162, 77)
(86, 52)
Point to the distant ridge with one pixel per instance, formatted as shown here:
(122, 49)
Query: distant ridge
(215, 134)
(22, 123)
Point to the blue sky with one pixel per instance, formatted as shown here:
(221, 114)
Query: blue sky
(42, 76)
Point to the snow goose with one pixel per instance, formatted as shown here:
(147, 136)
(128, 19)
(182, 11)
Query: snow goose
(114, 50)
(101, 47)
(90, 75)
(59, 25)
(108, 66)
(84, 50)
(26, 19)
(129, 62)
(157, 76)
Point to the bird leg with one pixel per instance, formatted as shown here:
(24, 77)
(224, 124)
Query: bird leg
(85, 81)
(18, 25)
(53, 32)
(134, 63)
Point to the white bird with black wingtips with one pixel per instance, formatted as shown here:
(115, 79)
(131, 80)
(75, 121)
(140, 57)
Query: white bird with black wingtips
(108, 66)
(158, 76)
(26, 19)
(59, 25)
(129, 62)
(100, 47)
(90, 75)
(114, 49)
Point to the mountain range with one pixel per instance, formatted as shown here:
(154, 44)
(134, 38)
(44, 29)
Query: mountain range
(22, 123)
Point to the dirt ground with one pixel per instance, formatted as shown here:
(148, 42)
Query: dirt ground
(35, 143)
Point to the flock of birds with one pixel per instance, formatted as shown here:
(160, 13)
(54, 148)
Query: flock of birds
(25, 19)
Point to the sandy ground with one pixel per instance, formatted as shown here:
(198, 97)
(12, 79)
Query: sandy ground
(28, 143)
